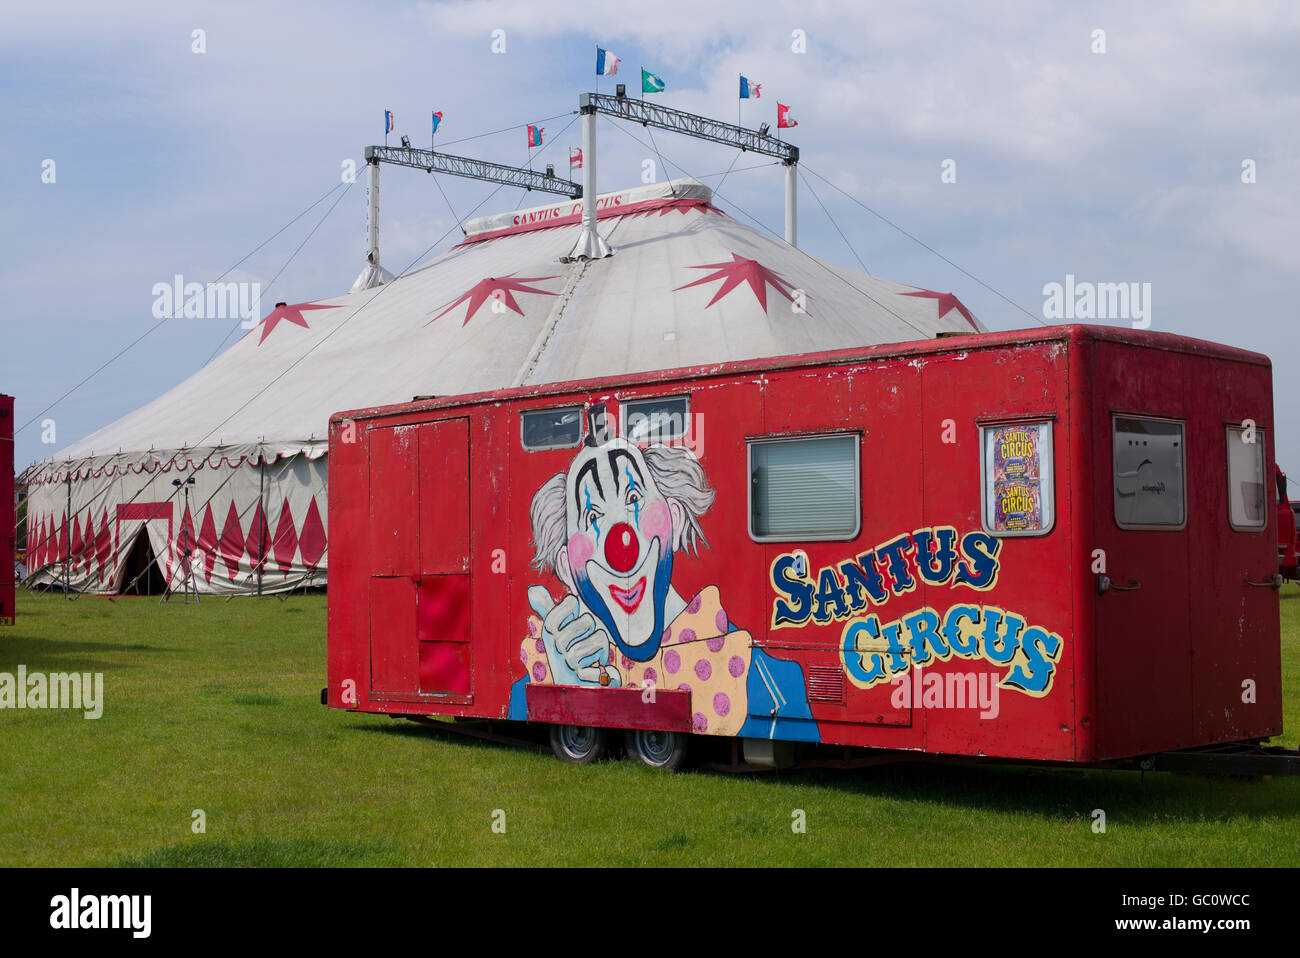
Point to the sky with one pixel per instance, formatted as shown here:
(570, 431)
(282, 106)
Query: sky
(989, 149)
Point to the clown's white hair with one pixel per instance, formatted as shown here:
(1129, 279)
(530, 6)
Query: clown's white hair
(677, 474)
(547, 516)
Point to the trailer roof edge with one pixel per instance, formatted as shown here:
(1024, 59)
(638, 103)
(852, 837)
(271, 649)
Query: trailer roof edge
(1072, 333)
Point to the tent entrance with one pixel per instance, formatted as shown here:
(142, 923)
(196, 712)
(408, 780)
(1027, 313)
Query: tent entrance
(140, 575)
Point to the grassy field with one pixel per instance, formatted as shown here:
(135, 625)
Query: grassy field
(215, 707)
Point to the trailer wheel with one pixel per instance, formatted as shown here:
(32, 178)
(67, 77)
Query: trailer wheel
(579, 744)
(665, 750)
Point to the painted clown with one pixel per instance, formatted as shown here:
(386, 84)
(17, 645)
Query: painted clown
(610, 530)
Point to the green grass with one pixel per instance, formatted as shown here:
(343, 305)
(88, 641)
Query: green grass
(215, 707)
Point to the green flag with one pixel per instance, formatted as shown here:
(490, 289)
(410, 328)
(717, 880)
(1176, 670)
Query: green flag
(650, 83)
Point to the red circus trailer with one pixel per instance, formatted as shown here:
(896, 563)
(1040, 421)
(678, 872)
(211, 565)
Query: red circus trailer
(1052, 545)
(8, 522)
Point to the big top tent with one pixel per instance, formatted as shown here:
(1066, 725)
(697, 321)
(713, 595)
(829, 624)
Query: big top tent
(686, 285)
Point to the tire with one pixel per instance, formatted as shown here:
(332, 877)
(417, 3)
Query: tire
(666, 750)
(579, 744)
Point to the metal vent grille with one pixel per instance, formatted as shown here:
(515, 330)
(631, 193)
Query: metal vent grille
(825, 684)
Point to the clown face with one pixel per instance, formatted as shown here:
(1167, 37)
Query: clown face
(620, 544)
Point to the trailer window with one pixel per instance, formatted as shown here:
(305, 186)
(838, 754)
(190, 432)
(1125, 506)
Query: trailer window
(1246, 508)
(552, 428)
(1149, 473)
(661, 419)
(804, 488)
(1017, 478)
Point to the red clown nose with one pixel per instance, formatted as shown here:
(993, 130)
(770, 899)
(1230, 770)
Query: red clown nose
(621, 548)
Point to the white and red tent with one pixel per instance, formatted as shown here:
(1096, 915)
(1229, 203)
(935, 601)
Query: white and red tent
(686, 285)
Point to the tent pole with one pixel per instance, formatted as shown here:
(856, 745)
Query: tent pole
(589, 244)
(372, 212)
(588, 166)
(67, 535)
(791, 204)
(261, 508)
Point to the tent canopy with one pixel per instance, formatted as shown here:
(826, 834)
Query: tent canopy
(686, 285)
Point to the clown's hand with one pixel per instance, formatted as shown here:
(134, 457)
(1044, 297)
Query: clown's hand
(576, 647)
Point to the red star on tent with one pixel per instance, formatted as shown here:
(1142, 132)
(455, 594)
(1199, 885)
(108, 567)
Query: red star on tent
(741, 270)
(946, 302)
(496, 287)
(285, 312)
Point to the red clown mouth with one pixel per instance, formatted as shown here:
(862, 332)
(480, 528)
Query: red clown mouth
(629, 599)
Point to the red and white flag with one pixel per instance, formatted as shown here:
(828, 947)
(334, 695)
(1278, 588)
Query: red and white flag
(575, 158)
(783, 118)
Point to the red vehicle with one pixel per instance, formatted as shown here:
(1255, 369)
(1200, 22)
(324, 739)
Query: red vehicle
(8, 522)
(1287, 559)
(1040, 545)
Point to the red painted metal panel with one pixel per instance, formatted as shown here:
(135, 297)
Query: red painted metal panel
(610, 708)
(445, 667)
(394, 500)
(882, 404)
(443, 608)
(496, 634)
(1233, 625)
(7, 519)
(443, 630)
(1075, 506)
(1020, 385)
(348, 597)
(394, 658)
(444, 496)
(1144, 656)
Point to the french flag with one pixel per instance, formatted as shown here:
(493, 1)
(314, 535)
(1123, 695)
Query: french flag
(606, 63)
(388, 121)
(749, 90)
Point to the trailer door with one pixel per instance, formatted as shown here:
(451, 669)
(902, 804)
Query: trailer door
(442, 602)
(1233, 559)
(831, 443)
(1142, 616)
(419, 598)
(395, 546)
